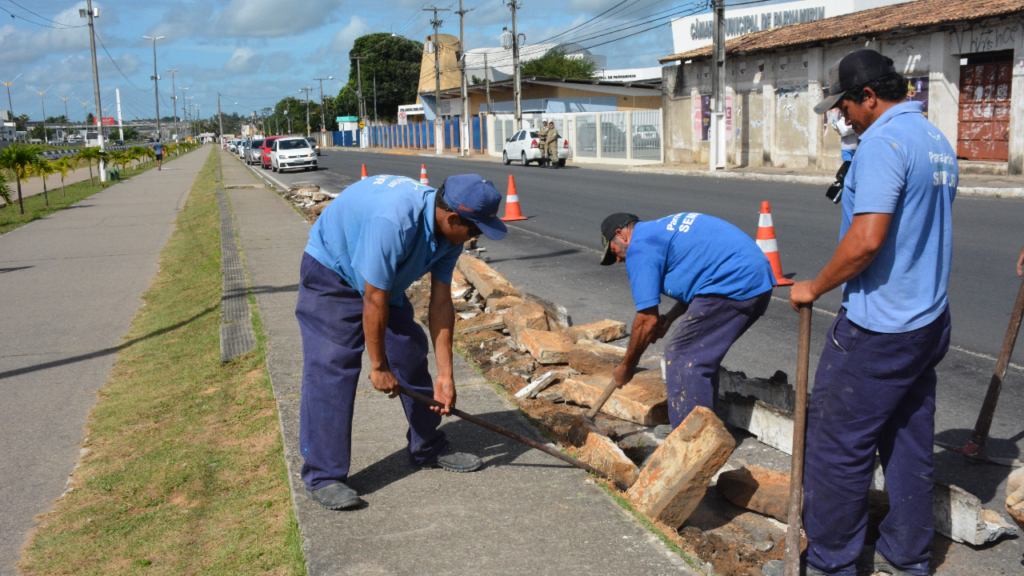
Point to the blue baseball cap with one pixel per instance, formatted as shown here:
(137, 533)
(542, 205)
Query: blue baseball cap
(475, 198)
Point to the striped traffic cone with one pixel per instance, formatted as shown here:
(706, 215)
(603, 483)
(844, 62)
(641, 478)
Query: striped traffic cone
(766, 240)
(512, 211)
(363, 177)
(423, 175)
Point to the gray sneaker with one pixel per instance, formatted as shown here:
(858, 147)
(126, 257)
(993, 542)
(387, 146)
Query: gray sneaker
(886, 567)
(455, 462)
(335, 497)
(774, 568)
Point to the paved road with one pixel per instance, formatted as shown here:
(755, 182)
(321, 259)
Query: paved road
(71, 284)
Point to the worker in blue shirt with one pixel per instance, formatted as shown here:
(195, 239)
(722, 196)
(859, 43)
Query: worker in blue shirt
(874, 390)
(721, 281)
(372, 242)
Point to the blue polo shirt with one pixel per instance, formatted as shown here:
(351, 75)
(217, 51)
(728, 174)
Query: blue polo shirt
(158, 148)
(904, 167)
(381, 230)
(691, 254)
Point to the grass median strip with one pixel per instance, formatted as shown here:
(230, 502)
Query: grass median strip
(35, 205)
(182, 471)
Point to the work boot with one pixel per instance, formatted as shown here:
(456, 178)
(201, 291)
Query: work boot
(884, 566)
(335, 497)
(774, 568)
(455, 462)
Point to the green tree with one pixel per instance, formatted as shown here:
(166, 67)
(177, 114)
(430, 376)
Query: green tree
(18, 160)
(396, 63)
(131, 134)
(5, 192)
(44, 168)
(90, 155)
(64, 165)
(296, 111)
(557, 64)
(90, 119)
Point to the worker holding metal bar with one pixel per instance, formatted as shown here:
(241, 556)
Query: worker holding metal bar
(372, 242)
(874, 390)
(721, 282)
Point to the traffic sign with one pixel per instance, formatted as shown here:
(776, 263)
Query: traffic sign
(323, 129)
(361, 125)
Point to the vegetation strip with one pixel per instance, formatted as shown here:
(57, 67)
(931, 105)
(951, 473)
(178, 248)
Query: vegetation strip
(182, 471)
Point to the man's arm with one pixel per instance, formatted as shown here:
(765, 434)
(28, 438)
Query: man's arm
(375, 322)
(857, 249)
(1020, 263)
(442, 326)
(666, 321)
(644, 327)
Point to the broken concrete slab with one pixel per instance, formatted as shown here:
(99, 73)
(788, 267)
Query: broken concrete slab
(596, 449)
(546, 347)
(499, 303)
(958, 515)
(480, 323)
(772, 426)
(528, 315)
(459, 279)
(593, 357)
(643, 400)
(536, 385)
(1015, 496)
(775, 391)
(603, 331)
(558, 315)
(758, 489)
(675, 479)
(488, 281)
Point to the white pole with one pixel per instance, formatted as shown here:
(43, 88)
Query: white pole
(120, 126)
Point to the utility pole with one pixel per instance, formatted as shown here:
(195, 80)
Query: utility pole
(289, 118)
(120, 125)
(513, 41)
(67, 121)
(156, 86)
(307, 90)
(717, 136)
(184, 106)
(220, 117)
(438, 121)
(360, 103)
(375, 97)
(43, 104)
(487, 84)
(323, 117)
(467, 122)
(90, 14)
(174, 97)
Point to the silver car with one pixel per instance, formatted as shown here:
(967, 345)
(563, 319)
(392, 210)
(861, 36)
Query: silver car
(253, 152)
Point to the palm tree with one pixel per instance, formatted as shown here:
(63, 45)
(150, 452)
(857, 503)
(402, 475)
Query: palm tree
(90, 155)
(5, 192)
(119, 159)
(64, 165)
(44, 168)
(136, 154)
(18, 160)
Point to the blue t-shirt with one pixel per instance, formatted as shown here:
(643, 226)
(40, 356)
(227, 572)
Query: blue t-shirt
(904, 167)
(158, 148)
(690, 255)
(381, 230)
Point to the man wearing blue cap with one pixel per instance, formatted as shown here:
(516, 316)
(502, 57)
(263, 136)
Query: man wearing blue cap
(372, 242)
(874, 391)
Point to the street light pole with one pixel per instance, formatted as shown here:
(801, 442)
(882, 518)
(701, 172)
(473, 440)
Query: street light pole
(174, 99)
(156, 86)
(517, 85)
(307, 90)
(91, 15)
(10, 107)
(323, 117)
(466, 120)
(67, 120)
(717, 156)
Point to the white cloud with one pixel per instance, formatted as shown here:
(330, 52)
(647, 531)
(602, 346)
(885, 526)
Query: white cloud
(272, 18)
(343, 40)
(26, 45)
(244, 60)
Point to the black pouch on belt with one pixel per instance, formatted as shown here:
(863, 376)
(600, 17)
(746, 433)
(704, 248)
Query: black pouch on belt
(835, 190)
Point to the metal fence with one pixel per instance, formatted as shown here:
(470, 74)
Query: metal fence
(613, 134)
(646, 136)
(586, 135)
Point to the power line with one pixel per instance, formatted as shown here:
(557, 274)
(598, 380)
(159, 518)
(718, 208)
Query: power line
(43, 17)
(97, 34)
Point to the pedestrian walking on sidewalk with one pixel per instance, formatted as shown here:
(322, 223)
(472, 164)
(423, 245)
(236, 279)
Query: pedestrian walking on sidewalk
(721, 281)
(372, 242)
(874, 390)
(158, 149)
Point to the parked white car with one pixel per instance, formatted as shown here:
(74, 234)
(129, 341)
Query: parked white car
(290, 153)
(524, 146)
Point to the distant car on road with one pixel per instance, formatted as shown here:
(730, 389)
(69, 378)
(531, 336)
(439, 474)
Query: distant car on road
(268, 145)
(253, 153)
(524, 146)
(289, 153)
(313, 144)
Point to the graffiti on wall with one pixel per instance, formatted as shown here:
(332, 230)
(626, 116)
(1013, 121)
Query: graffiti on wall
(988, 38)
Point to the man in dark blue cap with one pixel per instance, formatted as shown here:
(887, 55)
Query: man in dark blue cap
(874, 391)
(371, 243)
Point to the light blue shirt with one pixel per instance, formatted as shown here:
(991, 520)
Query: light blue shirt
(381, 231)
(904, 167)
(691, 254)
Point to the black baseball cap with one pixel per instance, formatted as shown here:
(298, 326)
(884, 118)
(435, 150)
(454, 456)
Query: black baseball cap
(612, 224)
(854, 70)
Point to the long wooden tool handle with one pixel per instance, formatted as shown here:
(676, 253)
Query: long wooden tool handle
(510, 434)
(988, 408)
(600, 401)
(796, 478)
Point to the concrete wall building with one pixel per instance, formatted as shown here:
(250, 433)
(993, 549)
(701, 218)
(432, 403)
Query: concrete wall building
(963, 59)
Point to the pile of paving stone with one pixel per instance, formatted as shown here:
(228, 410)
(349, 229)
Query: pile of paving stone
(309, 200)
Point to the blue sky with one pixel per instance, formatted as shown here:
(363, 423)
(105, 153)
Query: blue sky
(256, 52)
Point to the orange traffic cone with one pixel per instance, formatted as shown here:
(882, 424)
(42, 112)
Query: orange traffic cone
(423, 175)
(766, 240)
(363, 177)
(512, 211)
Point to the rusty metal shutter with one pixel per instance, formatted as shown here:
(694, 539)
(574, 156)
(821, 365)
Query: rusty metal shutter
(984, 129)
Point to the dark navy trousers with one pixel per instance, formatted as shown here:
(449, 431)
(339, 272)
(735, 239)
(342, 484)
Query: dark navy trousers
(872, 391)
(693, 355)
(330, 315)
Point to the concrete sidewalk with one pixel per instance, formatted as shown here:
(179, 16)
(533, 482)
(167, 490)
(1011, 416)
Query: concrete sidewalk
(71, 283)
(524, 512)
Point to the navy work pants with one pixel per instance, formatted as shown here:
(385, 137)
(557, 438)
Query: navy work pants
(693, 355)
(872, 391)
(330, 315)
